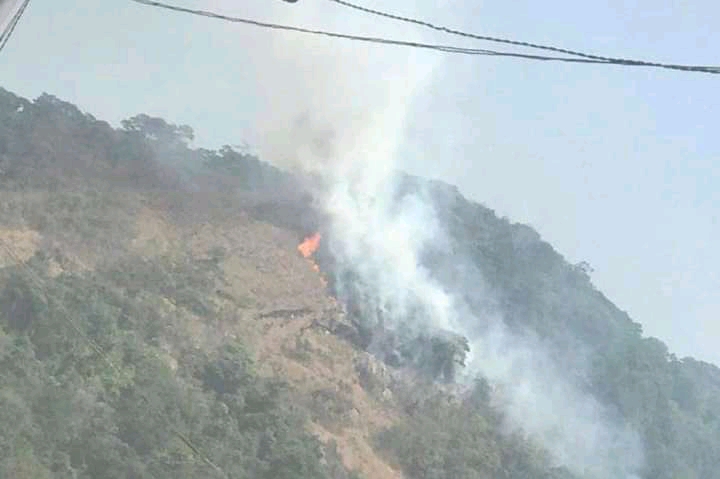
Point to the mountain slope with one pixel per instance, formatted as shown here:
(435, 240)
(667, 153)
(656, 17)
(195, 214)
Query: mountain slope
(157, 320)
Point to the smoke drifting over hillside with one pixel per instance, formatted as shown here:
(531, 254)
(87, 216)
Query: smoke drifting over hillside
(339, 109)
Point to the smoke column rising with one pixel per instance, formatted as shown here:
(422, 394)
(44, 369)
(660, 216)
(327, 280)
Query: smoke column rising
(340, 109)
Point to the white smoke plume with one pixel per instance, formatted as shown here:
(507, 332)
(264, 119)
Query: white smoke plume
(340, 109)
(572, 425)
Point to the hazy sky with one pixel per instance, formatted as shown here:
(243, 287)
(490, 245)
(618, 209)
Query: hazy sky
(611, 165)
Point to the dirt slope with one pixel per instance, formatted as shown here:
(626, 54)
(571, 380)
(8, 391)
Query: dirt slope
(273, 300)
(277, 303)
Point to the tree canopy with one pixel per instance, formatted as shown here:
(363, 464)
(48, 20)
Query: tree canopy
(98, 378)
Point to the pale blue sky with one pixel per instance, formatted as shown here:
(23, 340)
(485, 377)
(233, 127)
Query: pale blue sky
(612, 165)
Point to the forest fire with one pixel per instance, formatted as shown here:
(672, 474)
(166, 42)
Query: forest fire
(308, 247)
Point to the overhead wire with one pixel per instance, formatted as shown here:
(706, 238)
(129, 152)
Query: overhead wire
(605, 59)
(39, 283)
(5, 35)
(362, 38)
(427, 46)
(582, 58)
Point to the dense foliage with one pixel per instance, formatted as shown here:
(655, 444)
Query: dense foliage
(673, 403)
(89, 387)
(463, 439)
(98, 379)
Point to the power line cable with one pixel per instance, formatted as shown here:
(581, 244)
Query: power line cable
(5, 36)
(275, 26)
(39, 283)
(10, 28)
(428, 46)
(618, 61)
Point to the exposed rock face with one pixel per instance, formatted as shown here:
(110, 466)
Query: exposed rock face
(374, 375)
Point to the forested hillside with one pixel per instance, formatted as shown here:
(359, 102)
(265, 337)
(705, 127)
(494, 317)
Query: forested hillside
(157, 321)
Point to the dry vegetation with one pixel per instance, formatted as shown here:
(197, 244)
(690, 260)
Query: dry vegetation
(276, 302)
(157, 321)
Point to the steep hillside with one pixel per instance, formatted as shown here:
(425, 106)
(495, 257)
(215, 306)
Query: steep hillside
(157, 320)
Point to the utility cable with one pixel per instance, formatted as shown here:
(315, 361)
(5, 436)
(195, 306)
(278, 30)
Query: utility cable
(275, 26)
(386, 41)
(39, 283)
(5, 36)
(436, 47)
(612, 60)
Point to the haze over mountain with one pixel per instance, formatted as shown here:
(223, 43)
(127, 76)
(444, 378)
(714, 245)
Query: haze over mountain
(142, 279)
(612, 166)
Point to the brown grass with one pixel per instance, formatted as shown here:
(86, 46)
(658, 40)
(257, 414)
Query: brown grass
(266, 273)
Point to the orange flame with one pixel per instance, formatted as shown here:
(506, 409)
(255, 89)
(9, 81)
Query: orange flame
(307, 248)
(310, 245)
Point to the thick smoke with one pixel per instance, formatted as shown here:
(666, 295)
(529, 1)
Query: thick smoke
(572, 425)
(339, 110)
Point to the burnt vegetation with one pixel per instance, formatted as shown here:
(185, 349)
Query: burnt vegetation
(101, 377)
